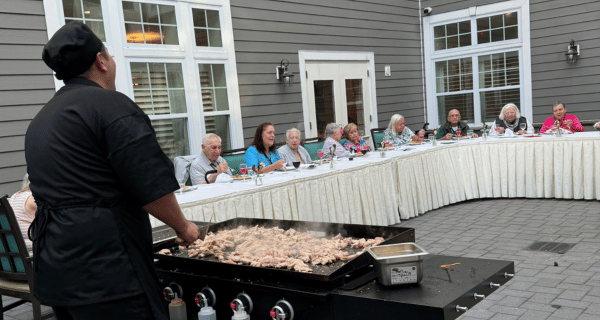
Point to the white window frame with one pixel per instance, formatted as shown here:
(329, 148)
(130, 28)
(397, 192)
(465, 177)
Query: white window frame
(186, 53)
(340, 56)
(521, 44)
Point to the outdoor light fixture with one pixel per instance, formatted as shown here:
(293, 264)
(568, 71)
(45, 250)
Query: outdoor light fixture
(286, 77)
(572, 52)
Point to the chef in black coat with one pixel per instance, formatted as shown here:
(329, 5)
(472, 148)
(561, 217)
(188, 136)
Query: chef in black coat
(96, 171)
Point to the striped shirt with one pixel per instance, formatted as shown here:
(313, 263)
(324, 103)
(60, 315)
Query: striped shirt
(17, 202)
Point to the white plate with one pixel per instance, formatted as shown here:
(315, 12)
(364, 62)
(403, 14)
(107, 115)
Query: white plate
(187, 188)
(506, 137)
(247, 177)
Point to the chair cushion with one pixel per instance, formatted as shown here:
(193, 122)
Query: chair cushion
(377, 138)
(312, 149)
(234, 162)
(19, 286)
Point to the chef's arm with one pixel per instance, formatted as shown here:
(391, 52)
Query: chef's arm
(167, 210)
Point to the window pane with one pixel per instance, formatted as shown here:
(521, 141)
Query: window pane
(215, 38)
(206, 77)
(219, 125)
(497, 35)
(511, 19)
(134, 33)
(466, 82)
(483, 37)
(324, 104)
(466, 66)
(483, 24)
(149, 13)
(97, 27)
(440, 44)
(92, 9)
(167, 14)
(199, 17)
(212, 17)
(441, 68)
(512, 59)
(441, 85)
(439, 31)
(174, 76)
(219, 75)
(493, 101)
(354, 103)
(512, 77)
(131, 11)
(169, 35)
(201, 37)
(452, 42)
(139, 75)
(454, 83)
(72, 9)
(462, 102)
(465, 40)
(454, 67)
(208, 103)
(152, 34)
(451, 29)
(497, 21)
(464, 27)
(511, 33)
(172, 136)
(222, 103)
(214, 87)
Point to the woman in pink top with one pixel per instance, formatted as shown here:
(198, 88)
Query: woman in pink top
(566, 121)
(24, 207)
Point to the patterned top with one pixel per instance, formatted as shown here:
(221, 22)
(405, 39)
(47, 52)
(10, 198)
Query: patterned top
(403, 137)
(361, 143)
(17, 202)
(575, 127)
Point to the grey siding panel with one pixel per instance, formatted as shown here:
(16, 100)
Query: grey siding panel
(25, 83)
(265, 32)
(553, 23)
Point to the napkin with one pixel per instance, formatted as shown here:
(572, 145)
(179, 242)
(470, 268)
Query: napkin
(508, 132)
(223, 177)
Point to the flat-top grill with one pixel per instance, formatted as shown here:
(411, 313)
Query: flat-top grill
(332, 274)
(347, 290)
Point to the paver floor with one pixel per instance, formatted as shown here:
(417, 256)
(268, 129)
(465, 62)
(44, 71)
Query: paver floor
(546, 285)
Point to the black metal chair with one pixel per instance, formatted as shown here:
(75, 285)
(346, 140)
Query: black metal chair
(225, 153)
(377, 136)
(16, 274)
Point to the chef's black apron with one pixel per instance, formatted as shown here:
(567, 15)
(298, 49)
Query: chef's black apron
(93, 162)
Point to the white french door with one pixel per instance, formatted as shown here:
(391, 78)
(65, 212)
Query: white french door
(340, 92)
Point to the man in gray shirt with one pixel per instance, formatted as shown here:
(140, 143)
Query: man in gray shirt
(209, 159)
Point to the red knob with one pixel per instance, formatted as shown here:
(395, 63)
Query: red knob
(197, 300)
(232, 305)
(273, 314)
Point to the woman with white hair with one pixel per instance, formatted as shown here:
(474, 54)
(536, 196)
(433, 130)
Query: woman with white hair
(333, 132)
(398, 133)
(24, 207)
(510, 118)
(292, 151)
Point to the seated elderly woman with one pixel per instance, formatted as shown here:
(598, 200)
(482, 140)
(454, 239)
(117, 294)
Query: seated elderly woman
(353, 139)
(292, 150)
(24, 207)
(398, 133)
(263, 149)
(333, 132)
(510, 118)
(568, 122)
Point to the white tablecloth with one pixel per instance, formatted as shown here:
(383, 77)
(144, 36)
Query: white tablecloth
(404, 184)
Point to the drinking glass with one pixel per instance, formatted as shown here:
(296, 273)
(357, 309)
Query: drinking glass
(458, 132)
(470, 133)
(181, 181)
(243, 170)
(296, 164)
(523, 126)
(321, 153)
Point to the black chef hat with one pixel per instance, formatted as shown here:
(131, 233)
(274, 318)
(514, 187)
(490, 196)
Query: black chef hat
(72, 50)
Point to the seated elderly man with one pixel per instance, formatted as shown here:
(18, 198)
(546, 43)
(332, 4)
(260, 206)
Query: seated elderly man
(452, 127)
(292, 150)
(209, 159)
(597, 125)
(510, 118)
(333, 132)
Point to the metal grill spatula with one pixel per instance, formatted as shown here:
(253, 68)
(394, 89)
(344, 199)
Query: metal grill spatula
(203, 231)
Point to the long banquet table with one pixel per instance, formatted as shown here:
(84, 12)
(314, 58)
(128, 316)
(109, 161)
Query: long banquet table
(408, 182)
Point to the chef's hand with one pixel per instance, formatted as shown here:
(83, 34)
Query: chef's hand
(448, 136)
(189, 234)
(222, 167)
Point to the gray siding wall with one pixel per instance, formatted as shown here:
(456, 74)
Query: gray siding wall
(267, 31)
(553, 24)
(26, 83)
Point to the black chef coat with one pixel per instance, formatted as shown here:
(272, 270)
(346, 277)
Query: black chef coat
(93, 162)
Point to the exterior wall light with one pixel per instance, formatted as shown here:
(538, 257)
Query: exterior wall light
(286, 77)
(572, 52)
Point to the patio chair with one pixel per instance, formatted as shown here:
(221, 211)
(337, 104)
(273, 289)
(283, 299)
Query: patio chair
(16, 275)
(182, 167)
(377, 136)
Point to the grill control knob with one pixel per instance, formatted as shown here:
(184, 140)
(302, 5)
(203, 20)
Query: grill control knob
(494, 285)
(478, 296)
(459, 308)
(242, 307)
(205, 298)
(282, 311)
(508, 275)
(173, 291)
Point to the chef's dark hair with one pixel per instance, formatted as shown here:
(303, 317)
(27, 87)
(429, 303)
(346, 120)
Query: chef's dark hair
(258, 143)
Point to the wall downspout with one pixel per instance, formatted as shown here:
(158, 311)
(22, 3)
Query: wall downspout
(422, 62)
